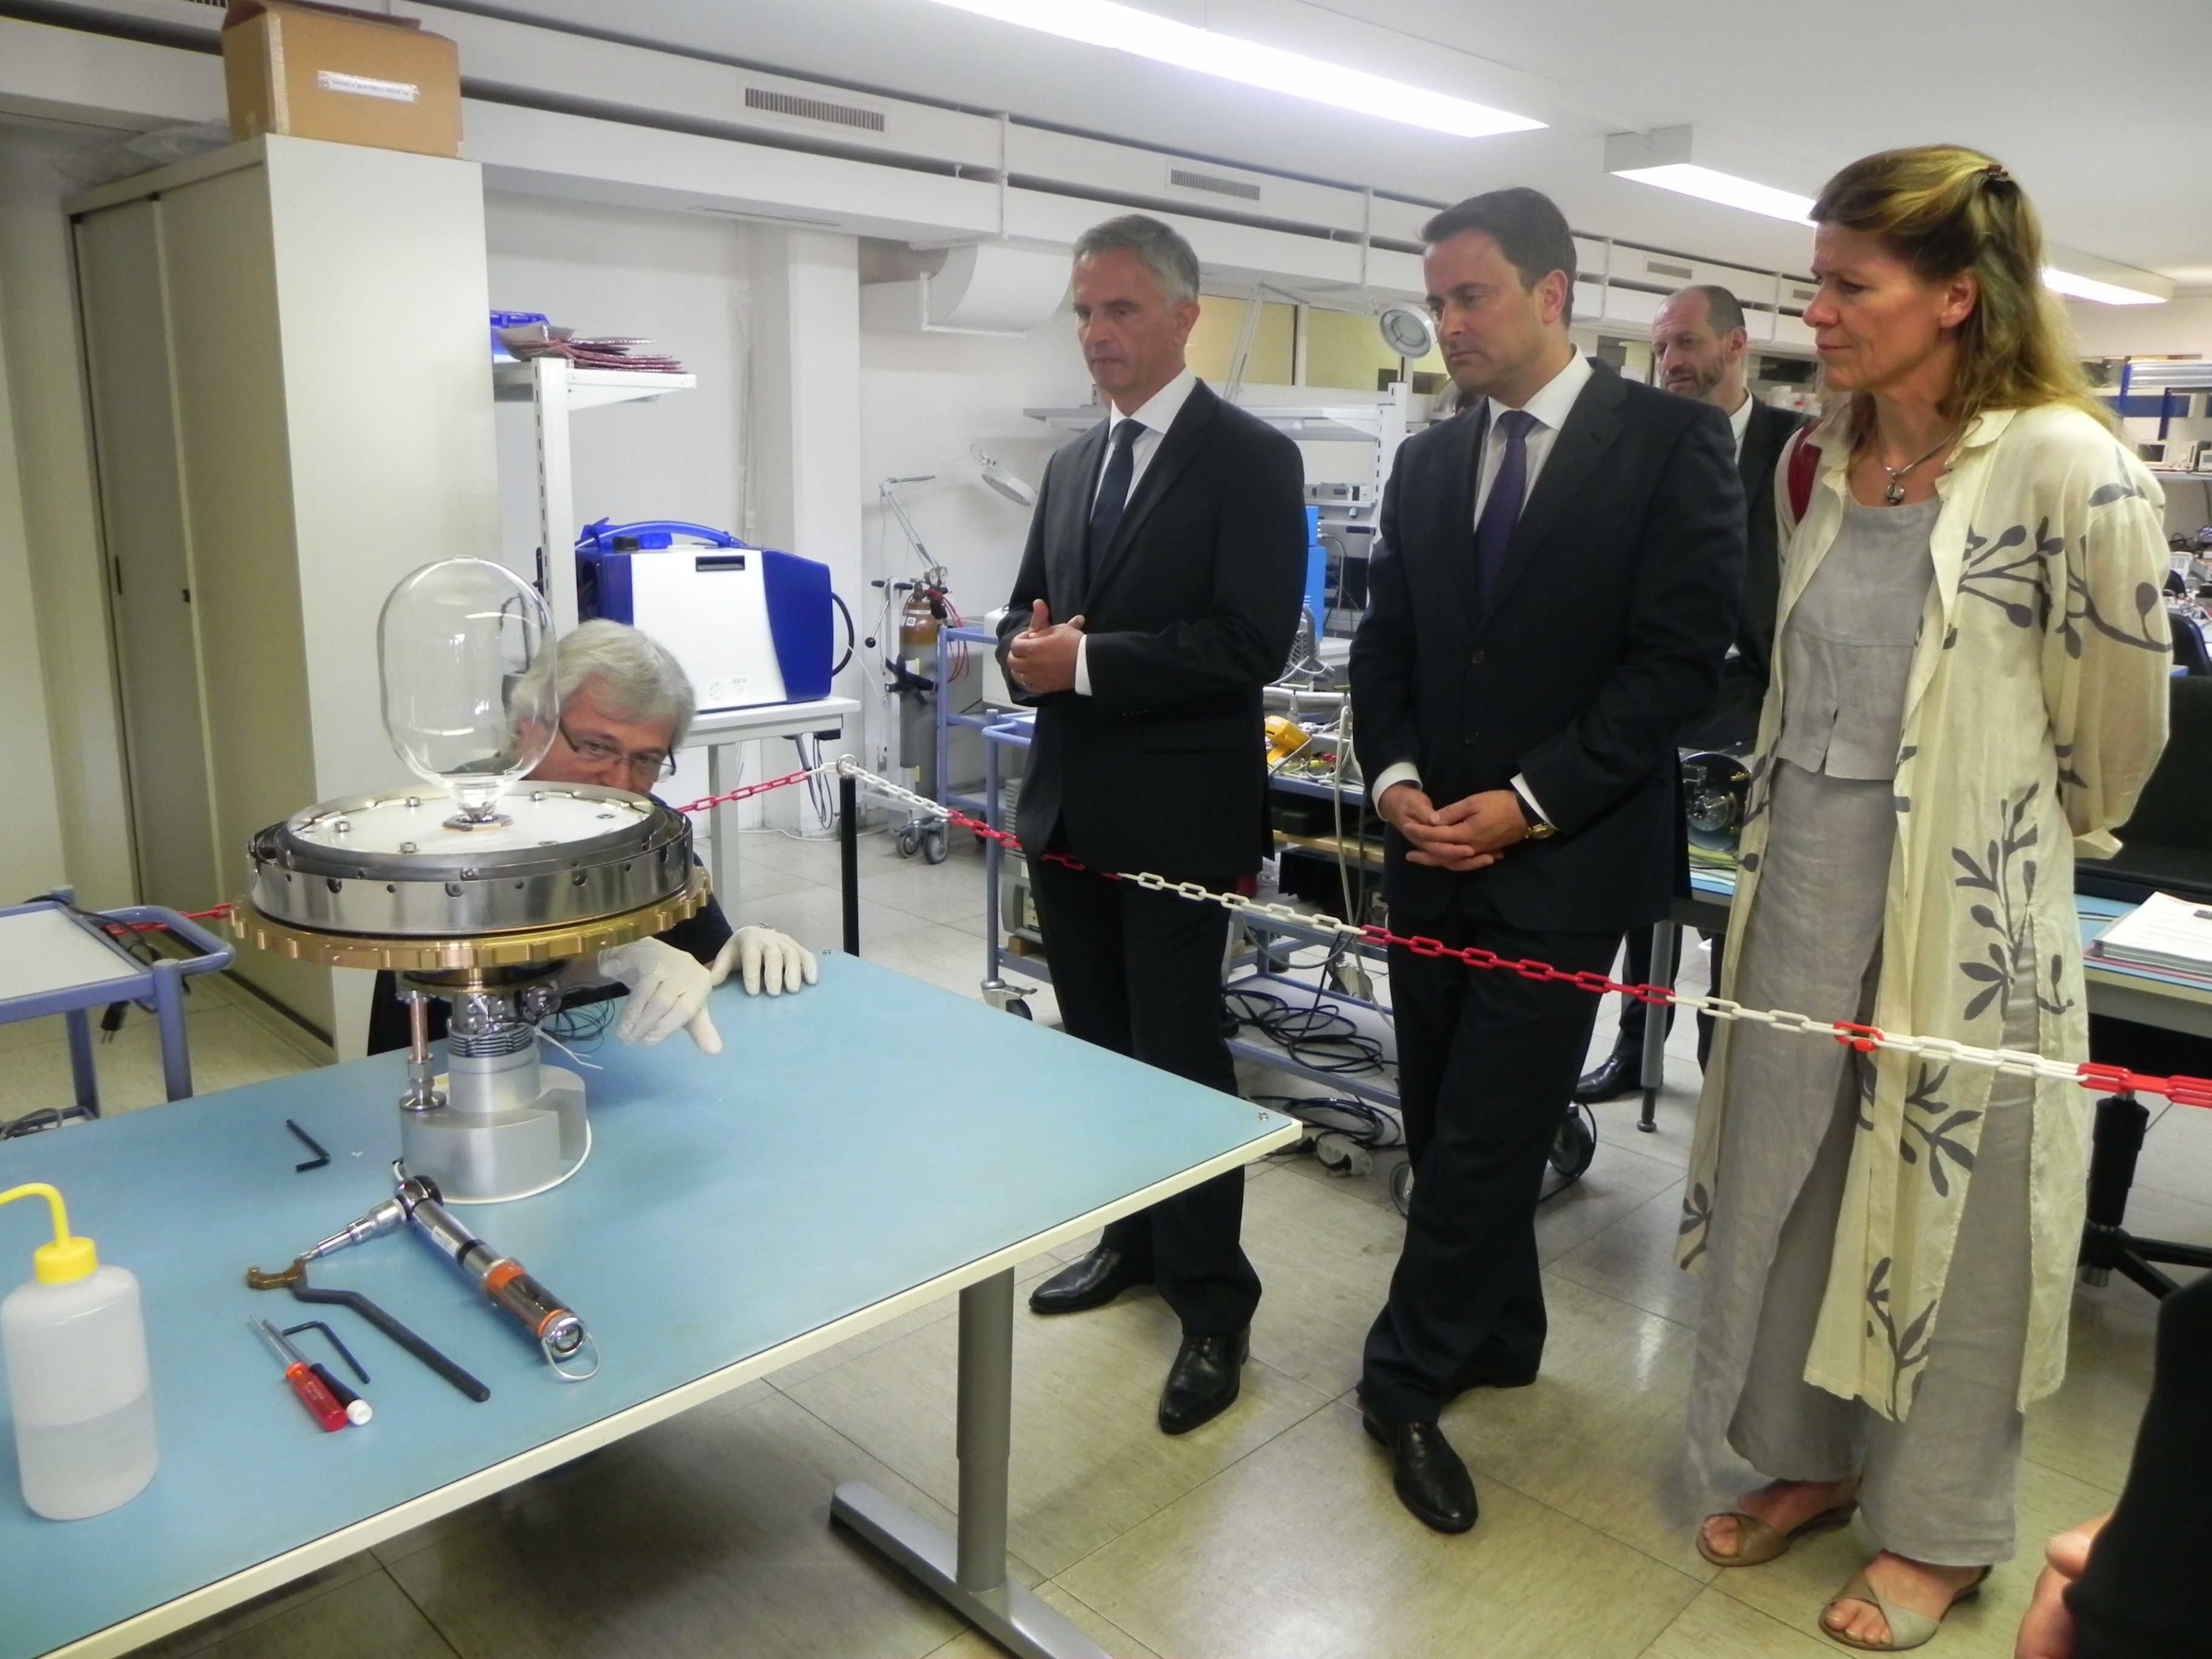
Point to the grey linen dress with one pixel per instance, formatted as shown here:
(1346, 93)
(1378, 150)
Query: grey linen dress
(1938, 1486)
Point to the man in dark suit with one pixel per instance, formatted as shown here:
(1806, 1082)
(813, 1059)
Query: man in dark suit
(1159, 591)
(1702, 349)
(1555, 591)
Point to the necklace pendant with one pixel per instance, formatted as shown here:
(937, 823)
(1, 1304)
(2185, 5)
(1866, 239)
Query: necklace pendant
(1895, 494)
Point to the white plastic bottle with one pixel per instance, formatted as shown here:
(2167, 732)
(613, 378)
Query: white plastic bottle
(77, 1381)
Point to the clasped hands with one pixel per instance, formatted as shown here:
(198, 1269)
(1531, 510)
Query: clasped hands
(1041, 658)
(1469, 835)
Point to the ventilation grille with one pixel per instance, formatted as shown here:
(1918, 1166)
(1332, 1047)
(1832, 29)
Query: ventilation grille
(1663, 268)
(814, 109)
(1219, 186)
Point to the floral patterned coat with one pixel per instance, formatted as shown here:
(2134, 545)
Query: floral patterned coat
(2035, 710)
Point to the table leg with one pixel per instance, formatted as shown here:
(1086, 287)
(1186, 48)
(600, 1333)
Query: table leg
(81, 1066)
(848, 858)
(718, 859)
(1665, 938)
(169, 1014)
(968, 1573)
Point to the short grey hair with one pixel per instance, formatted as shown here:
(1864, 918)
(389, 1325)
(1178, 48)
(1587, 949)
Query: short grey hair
(638, 677)
(1159, 246)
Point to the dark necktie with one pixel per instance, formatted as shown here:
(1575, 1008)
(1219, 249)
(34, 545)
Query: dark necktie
(1113, 496)
(1501, 509)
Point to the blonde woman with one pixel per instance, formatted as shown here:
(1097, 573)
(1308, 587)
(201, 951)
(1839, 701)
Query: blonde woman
(1969, 685)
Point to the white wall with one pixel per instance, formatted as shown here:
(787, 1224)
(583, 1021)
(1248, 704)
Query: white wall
(60, 735)
(2174, 329)
(677, 279)
(928, 400)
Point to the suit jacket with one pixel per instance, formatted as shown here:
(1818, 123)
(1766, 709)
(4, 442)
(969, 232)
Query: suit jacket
(1732, 722)
(1617, 599)
(1189, 613)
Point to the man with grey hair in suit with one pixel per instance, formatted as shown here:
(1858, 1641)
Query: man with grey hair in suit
(1159, 591)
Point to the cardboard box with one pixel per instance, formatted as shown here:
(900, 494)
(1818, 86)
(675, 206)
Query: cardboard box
(352, 77)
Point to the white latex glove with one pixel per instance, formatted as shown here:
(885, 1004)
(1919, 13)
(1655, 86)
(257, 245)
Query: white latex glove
(768, 960)
(668, 990)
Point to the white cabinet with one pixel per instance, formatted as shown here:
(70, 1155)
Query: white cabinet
(286, 351)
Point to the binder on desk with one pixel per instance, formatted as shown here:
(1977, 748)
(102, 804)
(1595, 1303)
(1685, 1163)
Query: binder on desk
(2165, 932)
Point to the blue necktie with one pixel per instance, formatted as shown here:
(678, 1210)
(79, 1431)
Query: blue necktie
(1113, 496)
(1501, 509)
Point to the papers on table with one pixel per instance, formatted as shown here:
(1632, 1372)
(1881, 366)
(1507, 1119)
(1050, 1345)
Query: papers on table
(2164, 933)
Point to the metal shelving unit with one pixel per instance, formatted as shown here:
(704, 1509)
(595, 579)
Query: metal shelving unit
(557, 389)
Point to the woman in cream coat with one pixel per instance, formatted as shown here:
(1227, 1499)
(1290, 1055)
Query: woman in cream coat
(1969, 687)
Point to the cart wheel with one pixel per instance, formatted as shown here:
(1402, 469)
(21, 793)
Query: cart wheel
(908, 840)
(932, 844)
(1401, 1187)
(1019, 1008)
(1576, 1144)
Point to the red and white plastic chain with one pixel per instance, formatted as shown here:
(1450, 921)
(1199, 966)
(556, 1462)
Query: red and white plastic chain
(2088, 1074)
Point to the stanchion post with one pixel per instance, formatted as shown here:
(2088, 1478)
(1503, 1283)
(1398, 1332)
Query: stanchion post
(848, 857)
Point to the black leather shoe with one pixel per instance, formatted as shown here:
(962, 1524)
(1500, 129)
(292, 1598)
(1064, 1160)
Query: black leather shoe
(1089, 1282)
(1426, 1474)
(1620, 1074)
(1204, 1380)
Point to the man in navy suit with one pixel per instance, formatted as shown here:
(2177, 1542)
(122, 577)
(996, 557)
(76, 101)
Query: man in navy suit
(1556, 588)
(1158, 593)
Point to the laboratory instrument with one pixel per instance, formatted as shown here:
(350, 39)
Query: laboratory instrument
(556, 1330)
(78, 1385)
(475, 888)
(750, 626)
(314, 1393)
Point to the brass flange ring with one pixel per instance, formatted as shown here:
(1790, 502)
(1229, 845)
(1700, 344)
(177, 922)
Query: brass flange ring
(403, 955)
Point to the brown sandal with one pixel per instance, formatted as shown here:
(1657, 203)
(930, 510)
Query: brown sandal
(1758, 1543)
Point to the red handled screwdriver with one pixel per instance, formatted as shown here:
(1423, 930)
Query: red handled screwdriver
(315, 1393)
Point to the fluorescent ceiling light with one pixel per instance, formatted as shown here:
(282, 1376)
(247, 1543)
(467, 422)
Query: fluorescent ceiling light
(1726, 189)
(2088, 287)
(1710, 166)
(2086, 276)
(1125, 28)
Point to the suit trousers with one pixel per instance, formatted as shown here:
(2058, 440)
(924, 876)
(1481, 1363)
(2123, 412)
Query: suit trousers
(1636, 969)
(1139, 972)
(1486, 1060)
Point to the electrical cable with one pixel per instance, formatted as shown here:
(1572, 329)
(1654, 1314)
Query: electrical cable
(852, 633)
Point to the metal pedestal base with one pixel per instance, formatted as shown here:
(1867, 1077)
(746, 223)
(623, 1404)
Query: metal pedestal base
(968, 1572)
(2106, 1244)
(1666, 940)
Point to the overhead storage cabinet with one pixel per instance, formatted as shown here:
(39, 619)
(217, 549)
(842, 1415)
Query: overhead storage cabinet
(292, 409)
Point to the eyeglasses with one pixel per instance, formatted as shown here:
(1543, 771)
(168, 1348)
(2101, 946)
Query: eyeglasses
(653, 764)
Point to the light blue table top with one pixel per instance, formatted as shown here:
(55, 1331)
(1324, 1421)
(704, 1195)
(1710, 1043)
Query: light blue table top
(867, 1137)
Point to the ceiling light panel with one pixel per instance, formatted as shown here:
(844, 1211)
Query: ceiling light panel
(1125, 28)
(2088, 277)
(1711, 167)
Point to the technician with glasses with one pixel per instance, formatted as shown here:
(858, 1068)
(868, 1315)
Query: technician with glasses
(626, 707)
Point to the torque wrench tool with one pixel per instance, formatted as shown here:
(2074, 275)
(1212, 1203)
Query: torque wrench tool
(315, 1393)
(558, 1332)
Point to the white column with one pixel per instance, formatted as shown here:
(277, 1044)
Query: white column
(805, 442)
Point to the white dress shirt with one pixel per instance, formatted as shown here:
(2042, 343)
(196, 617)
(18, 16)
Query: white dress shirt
(1155, 415)
(1550, 406)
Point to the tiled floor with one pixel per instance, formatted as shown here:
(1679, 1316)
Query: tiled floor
(1268, 1534)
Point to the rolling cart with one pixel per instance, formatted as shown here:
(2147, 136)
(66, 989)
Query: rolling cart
(57, 959)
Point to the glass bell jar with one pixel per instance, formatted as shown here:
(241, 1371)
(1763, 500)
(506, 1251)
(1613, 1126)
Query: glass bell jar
(470, 700)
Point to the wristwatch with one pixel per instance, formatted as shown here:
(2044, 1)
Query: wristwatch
(1541, 830)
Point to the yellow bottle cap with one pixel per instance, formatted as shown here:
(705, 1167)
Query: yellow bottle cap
(66, 1260)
